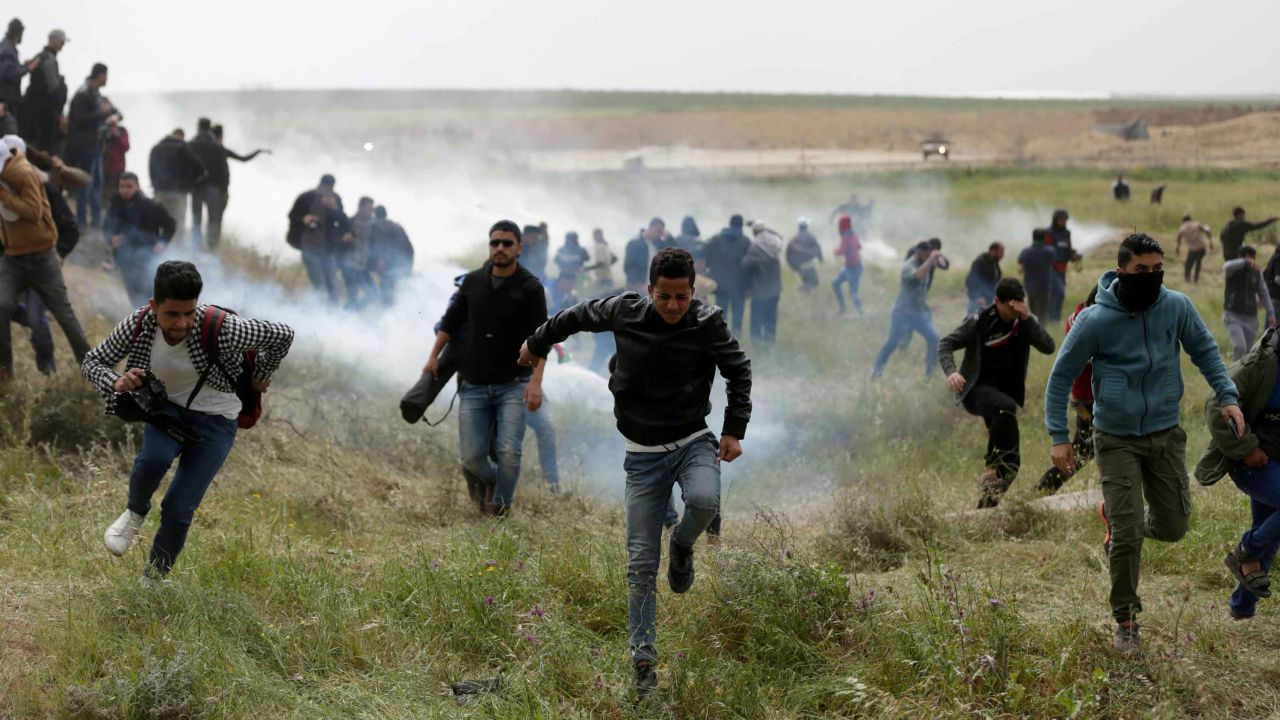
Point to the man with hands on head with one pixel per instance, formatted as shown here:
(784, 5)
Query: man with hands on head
(991, 383)
(500, 304)
(1134, 335)
(670, 346)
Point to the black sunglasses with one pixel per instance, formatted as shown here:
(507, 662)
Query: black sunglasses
(501, 243)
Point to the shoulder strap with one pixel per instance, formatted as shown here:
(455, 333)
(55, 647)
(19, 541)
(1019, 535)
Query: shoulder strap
(210, 329)
(138, 316)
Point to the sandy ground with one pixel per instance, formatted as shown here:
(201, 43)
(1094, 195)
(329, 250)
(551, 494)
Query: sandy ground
(814, 141)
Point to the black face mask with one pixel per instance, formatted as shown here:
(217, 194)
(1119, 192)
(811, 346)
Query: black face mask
(1139, 291)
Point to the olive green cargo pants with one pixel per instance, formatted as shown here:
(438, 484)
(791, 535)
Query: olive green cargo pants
(1153, 467)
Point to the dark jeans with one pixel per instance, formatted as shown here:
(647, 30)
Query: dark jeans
(175, 203)
(387, 281)
(1261, 540)
(650, 479)
(851, 275)
(137, 261)
(999, 413)
(734, 304)
(322, 271)
(215, 200)
(1152, 467)
(31, 316)
(359, 285)
(901, 326)
(1038, 302)
(197, 466)
(1081, 446)
(89, 197)
(41, 272)
(1191, 270)
(1057, 295)
(764, 319)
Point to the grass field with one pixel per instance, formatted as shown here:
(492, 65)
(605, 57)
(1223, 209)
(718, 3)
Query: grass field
(335, 570)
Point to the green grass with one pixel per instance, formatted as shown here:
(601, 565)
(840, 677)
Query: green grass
(336, 570)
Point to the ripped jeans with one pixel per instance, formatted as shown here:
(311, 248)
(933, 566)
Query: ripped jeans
(650, 477)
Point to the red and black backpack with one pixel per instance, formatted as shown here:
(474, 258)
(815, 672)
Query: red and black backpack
(207, 334)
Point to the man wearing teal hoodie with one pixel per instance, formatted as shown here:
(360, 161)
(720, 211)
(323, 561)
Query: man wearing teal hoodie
(1133, 336)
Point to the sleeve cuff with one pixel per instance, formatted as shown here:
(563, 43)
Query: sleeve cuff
(734, 427)
(1060, 438)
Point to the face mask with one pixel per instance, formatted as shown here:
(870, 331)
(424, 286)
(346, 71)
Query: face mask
(1139, 291)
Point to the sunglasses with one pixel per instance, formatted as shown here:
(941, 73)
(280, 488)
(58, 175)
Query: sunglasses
(501, 243)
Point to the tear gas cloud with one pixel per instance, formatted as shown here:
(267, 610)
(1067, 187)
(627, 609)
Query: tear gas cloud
(447, 193)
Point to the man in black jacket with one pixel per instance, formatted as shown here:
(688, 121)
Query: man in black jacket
(669, 348)
(640, 251)
(174, 170)
(992, 382)
(89, 112)
(213, 192)
(725, 253)
(1233, 233)
(139, 230)
(499, 305)
(984, 275)
(390, 254)
(317, 223)
(45, 98)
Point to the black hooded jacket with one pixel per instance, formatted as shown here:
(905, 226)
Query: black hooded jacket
(662, 379)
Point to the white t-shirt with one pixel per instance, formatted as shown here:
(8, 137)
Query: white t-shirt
(172, 364)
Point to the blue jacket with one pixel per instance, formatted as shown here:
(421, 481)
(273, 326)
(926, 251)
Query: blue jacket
(1137, 370)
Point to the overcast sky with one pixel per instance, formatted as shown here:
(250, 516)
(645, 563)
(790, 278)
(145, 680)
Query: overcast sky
(836, 46)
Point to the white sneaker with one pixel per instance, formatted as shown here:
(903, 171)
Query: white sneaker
(119, 537)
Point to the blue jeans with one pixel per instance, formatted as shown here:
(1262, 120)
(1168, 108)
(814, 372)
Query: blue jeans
(1057, 295)
(734, 304)
(31, 315)
(322, 271)
(89, 197)
(650, 478)
(1261, 540)
(197, 467)
(851, 275)
(900, 329)
(493, 415)
(545, 433)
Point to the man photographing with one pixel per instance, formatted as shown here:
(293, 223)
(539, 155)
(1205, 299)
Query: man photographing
(669, 348)
(1134, 335)
(169, 341)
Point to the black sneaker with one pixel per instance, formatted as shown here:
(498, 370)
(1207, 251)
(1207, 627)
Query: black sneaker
(646, 679)
(1127, 640)
(1106, 539)
(679, 566)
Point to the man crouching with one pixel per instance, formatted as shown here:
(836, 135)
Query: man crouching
(197, 353)
(669, 347)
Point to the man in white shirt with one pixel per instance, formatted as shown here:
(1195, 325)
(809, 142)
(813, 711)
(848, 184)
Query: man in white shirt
(198, 352)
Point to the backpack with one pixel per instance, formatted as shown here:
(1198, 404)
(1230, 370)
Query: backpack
(210, 328)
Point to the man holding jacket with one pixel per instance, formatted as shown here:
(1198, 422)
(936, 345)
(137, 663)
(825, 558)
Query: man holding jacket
(992, 382)
(1134, 336)
(669, 348)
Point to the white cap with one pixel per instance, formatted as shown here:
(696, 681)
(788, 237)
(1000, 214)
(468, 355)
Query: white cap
(13, 142)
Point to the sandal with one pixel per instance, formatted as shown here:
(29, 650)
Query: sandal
(1256, 582)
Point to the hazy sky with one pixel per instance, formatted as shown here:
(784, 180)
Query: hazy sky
(850, 46)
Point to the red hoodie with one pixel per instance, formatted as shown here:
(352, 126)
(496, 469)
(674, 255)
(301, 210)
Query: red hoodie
(850, 246)
(1082, 388)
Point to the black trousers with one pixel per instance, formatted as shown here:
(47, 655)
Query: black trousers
(1194, 258)
(764, 319)
(1000, 414)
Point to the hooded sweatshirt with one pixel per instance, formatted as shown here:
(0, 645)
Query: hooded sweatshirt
(762, 266)
(1137, 373)
(850, 246)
